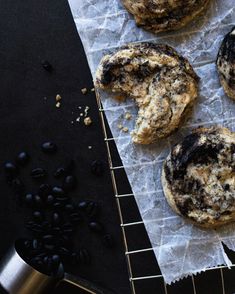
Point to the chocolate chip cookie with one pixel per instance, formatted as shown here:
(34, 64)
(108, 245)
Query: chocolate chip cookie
(226, 64)
(198, 177)
(164, 15)
(162, 83)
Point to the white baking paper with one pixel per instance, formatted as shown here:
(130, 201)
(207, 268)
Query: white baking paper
(104, 25)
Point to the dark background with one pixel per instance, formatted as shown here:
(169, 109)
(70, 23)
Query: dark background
(32, 31)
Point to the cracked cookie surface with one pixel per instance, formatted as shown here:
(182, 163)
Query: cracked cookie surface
(162, 83)
(163, 15)
(226, 64)
(198, 177)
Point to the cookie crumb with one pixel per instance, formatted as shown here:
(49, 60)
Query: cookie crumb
(128, 116)
(78, 119)
(86, 111)
(89, 147)
(125, 130)
(92, 89)
(58, 98)
(58, 104)
(84, 91)
(81, 114)
(120, 126)
(87, 121)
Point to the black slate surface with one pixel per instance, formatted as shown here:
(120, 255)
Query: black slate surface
(31, 31)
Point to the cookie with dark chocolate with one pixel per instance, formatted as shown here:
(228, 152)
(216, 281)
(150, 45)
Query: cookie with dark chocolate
(226, 64)
(198, 177)
(162, 83)
(164, 15)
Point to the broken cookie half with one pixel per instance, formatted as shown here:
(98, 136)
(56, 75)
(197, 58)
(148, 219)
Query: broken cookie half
(162, 83)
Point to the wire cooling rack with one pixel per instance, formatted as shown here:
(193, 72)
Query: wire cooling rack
(144, 274)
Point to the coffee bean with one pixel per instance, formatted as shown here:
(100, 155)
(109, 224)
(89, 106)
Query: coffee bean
(29, 198)
(56, 230)
(60, 271)
(50, 199)
(48, 263)
(44, 190)
(49, 147)
(108, 241)
(67, 228)
(62, 199)
(75, 218)
(38, 173)
(10, 168)
(69, 207)
(58, 206)
(22, 158)
(36, 245)
(37, 215)
(82, 205)
(60, 172)
(35, 228)
(36, 262)
(56, 219)
(92, 209)
(57, 191)
(37, 201)
(64, 252)
(55, 261)
(69, 183)
(17, 185)
(97, 168)
(84, 256)
(95, 227)
(27, 244)
(47, 66)
(49, 247)
(48, 239)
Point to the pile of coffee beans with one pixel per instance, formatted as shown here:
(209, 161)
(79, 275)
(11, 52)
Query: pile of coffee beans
(54, 216)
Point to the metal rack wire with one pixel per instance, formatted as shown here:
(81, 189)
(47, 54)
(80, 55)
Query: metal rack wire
(192, 286)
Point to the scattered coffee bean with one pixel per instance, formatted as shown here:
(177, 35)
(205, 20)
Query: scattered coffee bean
(17, 185)
(67, 228)
(97, 167)
(95, 227)
(38, 173)
(36, 245)
(22, 158)
(60, 271)
(26, 244)
(108, 241)
(48, 239)
(10, 168)
(69, 207)
(29, 198)
(56, 219)
(48, 263)
(62, 199)
(60, 172)
(56, 230)
(64, 252)
(55, 261)
(50, 199)
(49, 247)
(82, 205)
(69, 183)
(37, 215)
(47, 66)
(49, 147)
(57, 191)
(75, 218)
(44, 190)
(92, 209)
(58, 206)
(37, 201)
(84, 256)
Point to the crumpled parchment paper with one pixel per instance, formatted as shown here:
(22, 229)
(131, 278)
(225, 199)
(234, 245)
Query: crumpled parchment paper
(104, 25)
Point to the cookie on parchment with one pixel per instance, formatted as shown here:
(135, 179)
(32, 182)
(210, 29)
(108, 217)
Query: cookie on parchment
(226, 64)
(198, 177)
(164, 15)
(162, 83)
